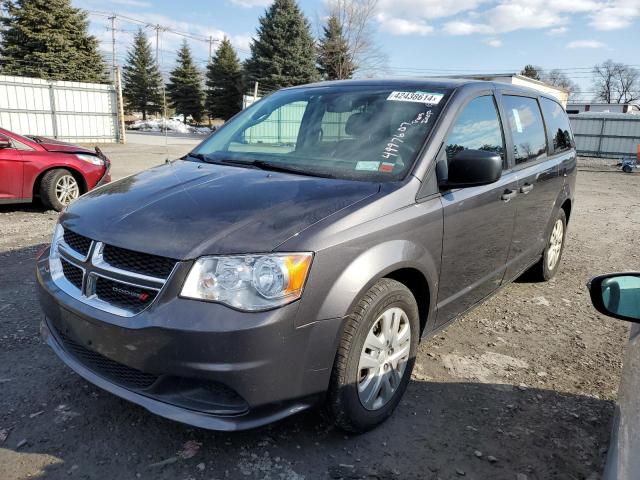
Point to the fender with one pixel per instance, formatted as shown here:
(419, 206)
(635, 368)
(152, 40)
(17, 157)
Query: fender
(375, 263)
(32, 180)
(355, 279)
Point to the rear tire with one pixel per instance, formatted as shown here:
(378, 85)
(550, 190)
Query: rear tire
(627, 168)
(58, 188)
(369, 380)
(548, 265)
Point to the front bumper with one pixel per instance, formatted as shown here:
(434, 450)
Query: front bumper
(106, 176)
(199, 363)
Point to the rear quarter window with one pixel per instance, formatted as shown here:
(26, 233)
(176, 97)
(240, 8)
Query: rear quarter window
(558, 125)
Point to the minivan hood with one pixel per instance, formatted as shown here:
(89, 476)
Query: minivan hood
(186, 209)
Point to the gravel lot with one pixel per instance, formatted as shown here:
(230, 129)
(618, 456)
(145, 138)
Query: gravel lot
(521, 388)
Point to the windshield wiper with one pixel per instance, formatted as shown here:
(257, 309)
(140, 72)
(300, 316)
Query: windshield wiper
(264, 165)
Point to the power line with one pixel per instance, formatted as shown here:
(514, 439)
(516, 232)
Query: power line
(207, 40)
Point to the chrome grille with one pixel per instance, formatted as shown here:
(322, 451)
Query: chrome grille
(137, 262)
(72, 273)
(114, 279)
(77, 242)
(125, 296)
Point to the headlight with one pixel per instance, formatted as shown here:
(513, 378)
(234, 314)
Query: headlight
(55, 266)
(57, 236)
(90, 158)
(249, 282)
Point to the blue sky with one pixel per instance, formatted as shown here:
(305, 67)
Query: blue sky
(419, 37)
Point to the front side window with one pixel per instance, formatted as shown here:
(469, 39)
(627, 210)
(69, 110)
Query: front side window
(351, 132)
(558, 125)
(527, 129)
(477, 128)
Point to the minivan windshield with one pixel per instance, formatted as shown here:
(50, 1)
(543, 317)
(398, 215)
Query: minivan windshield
(349, 132)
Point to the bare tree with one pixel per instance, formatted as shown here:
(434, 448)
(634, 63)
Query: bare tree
(627, 87)
(554, 77)
(557, 78)
(616, 82)
(356, 19)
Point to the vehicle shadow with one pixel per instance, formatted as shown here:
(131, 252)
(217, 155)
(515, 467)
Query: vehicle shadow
(440, 430)
(57, 425)
(33, 207)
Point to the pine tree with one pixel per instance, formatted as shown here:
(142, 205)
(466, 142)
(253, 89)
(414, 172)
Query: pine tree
(284, 53)
(142, 82)
(49, 39)
(185, 86)
(334, 57)
(531, 71)
(224, 83)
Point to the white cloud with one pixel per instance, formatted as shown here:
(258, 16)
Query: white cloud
(132, 3)
(241, 42)
(425, 9)
(467, 17)
(617, 14)
(585, 44)
(521, 15)
(557, 31)
(493, 42)
(252, 3)
(466, 28)
(400, 26)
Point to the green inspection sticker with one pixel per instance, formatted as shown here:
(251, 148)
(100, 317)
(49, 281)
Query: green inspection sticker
(368, 166)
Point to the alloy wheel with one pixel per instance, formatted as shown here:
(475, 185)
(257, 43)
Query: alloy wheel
(384, 358)
(555, 244)
(67, 189)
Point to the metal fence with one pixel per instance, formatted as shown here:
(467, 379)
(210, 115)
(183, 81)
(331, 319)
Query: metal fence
(69, 111)
(606, 135)
(282, 126)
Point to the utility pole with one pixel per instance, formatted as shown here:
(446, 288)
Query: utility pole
(157, 29)
(255, 92)
(113, 45)
(210, 47)
(118, 84)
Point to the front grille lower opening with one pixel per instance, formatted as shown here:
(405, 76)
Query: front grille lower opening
(118, 373)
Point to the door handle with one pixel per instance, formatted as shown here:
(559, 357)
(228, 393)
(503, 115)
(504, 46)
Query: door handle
(508, 195)
(526, 188)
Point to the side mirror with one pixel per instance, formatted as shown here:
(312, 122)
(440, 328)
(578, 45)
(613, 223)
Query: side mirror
(5, 142)
(471, 168)
(617, 295)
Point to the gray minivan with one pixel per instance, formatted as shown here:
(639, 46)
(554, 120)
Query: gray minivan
(297, 256)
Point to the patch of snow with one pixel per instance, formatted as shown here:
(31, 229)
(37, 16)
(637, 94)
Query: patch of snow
(172, 125)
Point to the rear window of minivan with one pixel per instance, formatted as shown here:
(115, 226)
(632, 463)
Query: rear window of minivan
(557, 125)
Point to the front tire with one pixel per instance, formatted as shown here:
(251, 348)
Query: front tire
(58, 189)
(375, 358)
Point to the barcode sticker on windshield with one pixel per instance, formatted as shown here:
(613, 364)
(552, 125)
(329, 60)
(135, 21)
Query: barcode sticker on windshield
(416, 97)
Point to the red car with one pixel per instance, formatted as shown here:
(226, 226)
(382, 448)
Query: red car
(54, 171)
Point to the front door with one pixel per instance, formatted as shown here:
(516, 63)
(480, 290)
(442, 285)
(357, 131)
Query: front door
(11, 172)
(478, 221)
